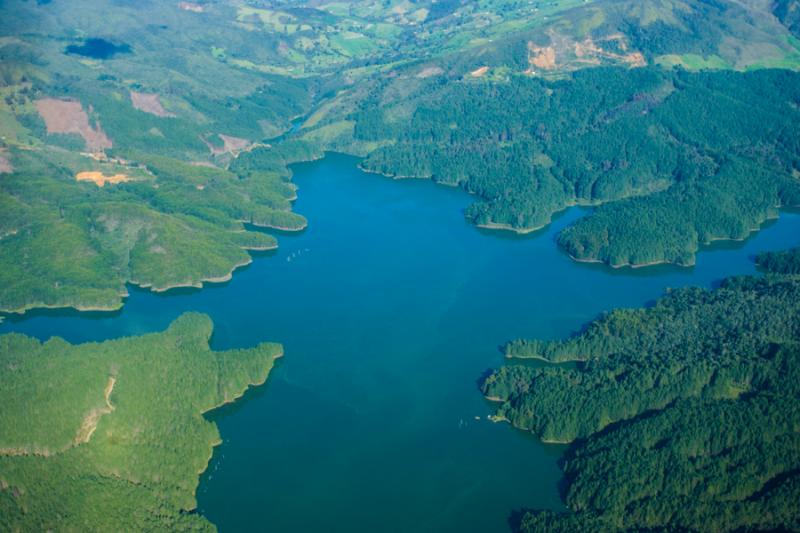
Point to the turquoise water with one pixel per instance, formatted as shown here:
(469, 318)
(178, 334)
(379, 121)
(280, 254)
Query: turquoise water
(390, 307)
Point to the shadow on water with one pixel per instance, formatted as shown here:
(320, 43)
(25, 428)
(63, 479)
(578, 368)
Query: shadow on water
(61, 312)
(277, 232)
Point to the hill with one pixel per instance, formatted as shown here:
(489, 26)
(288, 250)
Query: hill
(546, 105)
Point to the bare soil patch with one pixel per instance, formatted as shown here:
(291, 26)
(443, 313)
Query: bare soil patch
(566, 54)
(91, 420)
(479, 72)
(68, 116)
(542, 57)
(149, 103)
(234, 144)
(100, 179)
(230, 145)
(429, 72)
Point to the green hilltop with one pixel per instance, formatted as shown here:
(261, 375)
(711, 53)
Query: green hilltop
(111, 436)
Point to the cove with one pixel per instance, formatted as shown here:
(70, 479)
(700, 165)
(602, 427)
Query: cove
(390, 307)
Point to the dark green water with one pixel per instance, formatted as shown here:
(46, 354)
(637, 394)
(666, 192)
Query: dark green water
(98, 49)
(390, 307)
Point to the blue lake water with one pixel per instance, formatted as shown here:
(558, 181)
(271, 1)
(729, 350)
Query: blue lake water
(390, 307)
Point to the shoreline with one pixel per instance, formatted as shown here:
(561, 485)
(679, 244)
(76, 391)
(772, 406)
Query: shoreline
(544, 360)
(500, 419)
(80, 308)
(195, 284)
(488, 225)
(708, 242)
(496, 226)
(634, 266)
(261, 248)
(366, 170)
(218, 441)
(21, 311)
(303, 226)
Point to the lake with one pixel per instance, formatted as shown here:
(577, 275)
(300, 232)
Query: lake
(96, 48)
(391, 307)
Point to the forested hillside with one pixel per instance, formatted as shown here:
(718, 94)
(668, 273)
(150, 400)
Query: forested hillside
(682, 416)
(689, 157)
(114, 152)
(141, 142)
(787, 262)
(111, 436)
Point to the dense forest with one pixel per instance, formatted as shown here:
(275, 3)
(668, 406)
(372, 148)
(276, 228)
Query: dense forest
(111, 436)
(691, 157)
(681, 416)
(786, 262)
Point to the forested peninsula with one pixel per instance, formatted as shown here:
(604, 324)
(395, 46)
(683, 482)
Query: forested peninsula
(681, 416)
(111, 436)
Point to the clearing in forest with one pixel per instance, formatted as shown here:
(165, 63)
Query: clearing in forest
(68, 116)
(100, 179)
(149, 103)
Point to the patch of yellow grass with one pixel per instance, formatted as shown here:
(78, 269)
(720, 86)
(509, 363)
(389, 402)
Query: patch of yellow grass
(100, 179)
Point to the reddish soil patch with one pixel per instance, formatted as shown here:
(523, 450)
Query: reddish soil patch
(543, 58)
(590, 51)
(68, 116)
(566, 54)
(149, 103)
(636, 59)
(479, 72)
